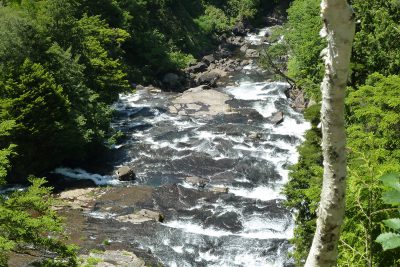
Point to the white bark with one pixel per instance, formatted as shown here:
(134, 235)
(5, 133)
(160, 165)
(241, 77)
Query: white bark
(339, 28)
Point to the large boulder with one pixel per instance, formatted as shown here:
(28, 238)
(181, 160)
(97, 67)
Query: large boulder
(208, 78)
(125, 173)
(277, 118)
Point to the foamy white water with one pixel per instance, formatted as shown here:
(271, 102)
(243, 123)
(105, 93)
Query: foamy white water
(84, 175)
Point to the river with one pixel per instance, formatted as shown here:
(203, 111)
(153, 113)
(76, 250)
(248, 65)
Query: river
(241, 151)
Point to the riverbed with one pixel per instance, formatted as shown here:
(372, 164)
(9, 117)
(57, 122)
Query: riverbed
(235, 217)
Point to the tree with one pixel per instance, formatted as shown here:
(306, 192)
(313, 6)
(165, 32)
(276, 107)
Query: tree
(339, 30)
(28, 225)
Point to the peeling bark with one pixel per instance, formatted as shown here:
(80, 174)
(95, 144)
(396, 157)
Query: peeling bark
(339, 28)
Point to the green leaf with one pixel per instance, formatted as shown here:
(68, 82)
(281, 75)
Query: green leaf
(391, 180)
(393, 223)
(389, 240)
(391, 197)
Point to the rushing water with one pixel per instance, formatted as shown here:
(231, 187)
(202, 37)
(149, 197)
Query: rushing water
(247, 154)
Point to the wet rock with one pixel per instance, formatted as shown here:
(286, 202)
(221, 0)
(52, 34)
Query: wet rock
(141, 216)
(252, 53)
(277, 118)
(196, 181)
(111, 258)
(208, 59)
(139, 111)
(255, 135)
(255, 115)
(223, 190)
(176, 197)
(125, 173)
(228, 220)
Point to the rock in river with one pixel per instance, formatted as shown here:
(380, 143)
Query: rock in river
(197, 181)
(277, 118)
(141, 216)
(200, 102)
(125, 173)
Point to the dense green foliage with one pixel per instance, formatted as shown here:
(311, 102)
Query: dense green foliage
(28, 224)
(64, 62)
(373, 121)
(391, 240)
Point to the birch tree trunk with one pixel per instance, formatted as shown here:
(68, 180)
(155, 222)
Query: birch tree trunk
(339, 28)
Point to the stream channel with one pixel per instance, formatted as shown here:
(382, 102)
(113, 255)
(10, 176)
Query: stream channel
(240, 150)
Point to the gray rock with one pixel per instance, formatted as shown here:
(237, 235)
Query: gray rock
(208, 59)
(255, 116)
(125, 173)
(223, 53)
(141, 216)
(244, 48)
(199, 67)
(223, 190)
(245, 62)
(227, 220)
(209, 78)
(111, 258)
(299, 103)
(277, 118)
(235, 41)
(252, 53)
(200, 102)
(255, 135)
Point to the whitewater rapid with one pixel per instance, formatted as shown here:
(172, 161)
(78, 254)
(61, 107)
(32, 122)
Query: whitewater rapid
(249, 226)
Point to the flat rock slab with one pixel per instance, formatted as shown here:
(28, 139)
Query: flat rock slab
(110, 258)
(141, 217)
(200, 102)
(82, 198)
